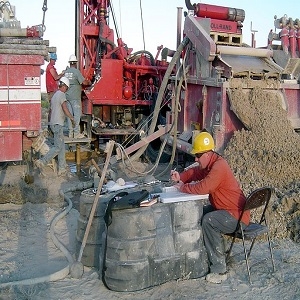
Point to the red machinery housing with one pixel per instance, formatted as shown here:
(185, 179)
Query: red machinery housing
(124, 84)
(218, 63)
(21, 55)
(20, 103)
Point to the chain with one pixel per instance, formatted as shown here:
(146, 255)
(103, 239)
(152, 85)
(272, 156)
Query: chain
(44, 8)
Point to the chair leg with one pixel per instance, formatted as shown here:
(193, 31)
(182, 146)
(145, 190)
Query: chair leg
(271, 251)
(251, 246)
(230, 249)
(247, 261)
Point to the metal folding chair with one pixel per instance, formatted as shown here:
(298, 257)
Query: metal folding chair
(258, 198)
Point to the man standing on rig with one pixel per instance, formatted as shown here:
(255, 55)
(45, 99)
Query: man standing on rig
(52, 78)
(73, 96)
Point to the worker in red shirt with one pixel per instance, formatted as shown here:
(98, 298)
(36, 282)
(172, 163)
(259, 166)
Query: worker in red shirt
(213, 176)
(52, 79)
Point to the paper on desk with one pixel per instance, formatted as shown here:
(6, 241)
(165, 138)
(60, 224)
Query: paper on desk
(171, 194)
(168, 189)
(112, 186)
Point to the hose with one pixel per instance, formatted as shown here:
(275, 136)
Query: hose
(135, 55)
(175, 124)
(161, 93)
(61, 274)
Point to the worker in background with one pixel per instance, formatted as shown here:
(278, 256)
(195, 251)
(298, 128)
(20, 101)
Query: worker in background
(59, 110)
(52, 78)
(74, 96)
(213, 176)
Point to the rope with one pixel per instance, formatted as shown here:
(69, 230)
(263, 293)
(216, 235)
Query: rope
(114, 19)
(44, 9)
(142, 23)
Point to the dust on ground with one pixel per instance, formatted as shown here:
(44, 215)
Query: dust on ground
(263, 155)
(27, 252)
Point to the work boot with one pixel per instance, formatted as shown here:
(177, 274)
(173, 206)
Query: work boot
(216, 277)
(49, 132)
(40, 165)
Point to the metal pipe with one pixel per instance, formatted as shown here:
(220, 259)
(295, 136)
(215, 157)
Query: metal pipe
(219, 12)
(180, 144)
(28, 52)
(292, 41)
(179, 22)
(23, 47)
(231, 50)
(34, 31)
(146, 68)
(21, 41)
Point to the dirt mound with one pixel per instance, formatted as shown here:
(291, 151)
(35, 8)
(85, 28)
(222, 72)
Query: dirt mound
(267, 155)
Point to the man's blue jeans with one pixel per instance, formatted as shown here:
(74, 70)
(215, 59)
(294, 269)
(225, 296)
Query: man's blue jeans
(74, 107)
(58, 148)
(215, 223)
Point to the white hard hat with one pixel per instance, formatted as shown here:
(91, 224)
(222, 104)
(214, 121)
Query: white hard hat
(65, 80)
(73, 58)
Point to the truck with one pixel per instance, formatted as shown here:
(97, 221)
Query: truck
(22, 53)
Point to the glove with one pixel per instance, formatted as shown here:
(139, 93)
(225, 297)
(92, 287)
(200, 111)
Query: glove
(73, 122)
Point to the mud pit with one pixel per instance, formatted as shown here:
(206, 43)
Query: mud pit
(267, 155)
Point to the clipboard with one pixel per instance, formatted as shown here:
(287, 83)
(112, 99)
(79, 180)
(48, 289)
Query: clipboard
(175, 196)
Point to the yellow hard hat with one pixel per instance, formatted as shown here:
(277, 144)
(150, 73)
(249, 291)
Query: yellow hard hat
(203, 142)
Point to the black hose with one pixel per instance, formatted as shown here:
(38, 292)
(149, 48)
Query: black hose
(158, 102)
(61, 274)
(189, 5)
(134, 55)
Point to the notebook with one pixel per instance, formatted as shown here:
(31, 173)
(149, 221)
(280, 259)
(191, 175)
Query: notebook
(171, 194)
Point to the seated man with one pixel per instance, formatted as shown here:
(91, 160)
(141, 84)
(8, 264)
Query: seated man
(213, 176)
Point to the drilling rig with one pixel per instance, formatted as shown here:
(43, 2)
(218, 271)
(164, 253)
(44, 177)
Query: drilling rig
(142, 101)
(220, 62)
(125, 84)
(210, 62)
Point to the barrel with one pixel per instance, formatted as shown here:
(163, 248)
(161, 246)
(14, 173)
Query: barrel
(188, 238)
(93, 247)
(149, 246)
(90, 255)
(130, 240)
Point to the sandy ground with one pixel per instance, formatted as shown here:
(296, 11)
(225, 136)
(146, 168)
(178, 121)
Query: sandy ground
(28, 252)
(264, 155)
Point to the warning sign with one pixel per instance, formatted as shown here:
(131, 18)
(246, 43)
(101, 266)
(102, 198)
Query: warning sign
(32, 80)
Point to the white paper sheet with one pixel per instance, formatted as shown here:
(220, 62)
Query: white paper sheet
(175, 196)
